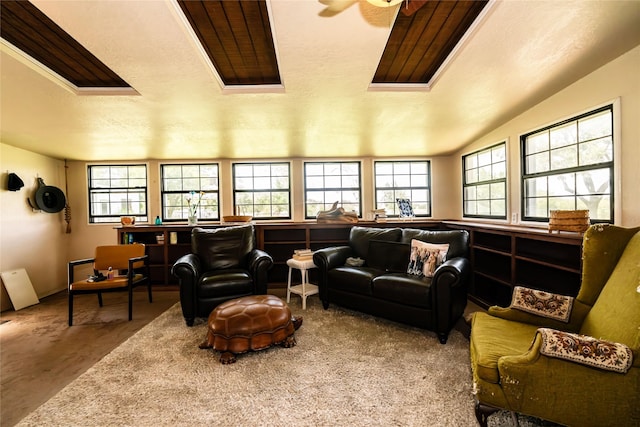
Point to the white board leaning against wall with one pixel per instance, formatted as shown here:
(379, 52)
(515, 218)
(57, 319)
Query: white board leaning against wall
(19, 288)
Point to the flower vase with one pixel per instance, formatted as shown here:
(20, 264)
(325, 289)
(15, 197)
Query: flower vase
(192, 220)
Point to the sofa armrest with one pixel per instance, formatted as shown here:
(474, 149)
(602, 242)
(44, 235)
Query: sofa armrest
(456, 269)
(186, 267)
(586, 350)
(327, 259)
(134, 264)
(541, 303)
(549, 380)
(259, 263)
(514, 315)
(449, 288)
(518, 313)
(187, 270)
(72, 266)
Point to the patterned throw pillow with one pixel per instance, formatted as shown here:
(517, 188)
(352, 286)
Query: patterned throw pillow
(586, 350)
(426, 257)
(542, 303)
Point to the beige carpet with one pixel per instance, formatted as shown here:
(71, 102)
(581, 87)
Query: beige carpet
(348, 369)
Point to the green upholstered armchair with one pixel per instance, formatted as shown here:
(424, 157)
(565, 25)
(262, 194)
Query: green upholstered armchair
(580, 370)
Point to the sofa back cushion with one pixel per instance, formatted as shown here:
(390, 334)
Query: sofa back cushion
(221, 248)
(458, 240)
(359, 238)
(615, 316)
(388, 256)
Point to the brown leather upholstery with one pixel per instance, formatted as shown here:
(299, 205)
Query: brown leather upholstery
(250, 323)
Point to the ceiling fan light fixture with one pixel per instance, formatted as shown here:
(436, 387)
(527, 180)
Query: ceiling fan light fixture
(384, 3)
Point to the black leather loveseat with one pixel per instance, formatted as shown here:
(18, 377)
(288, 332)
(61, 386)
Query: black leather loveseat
(383, 287)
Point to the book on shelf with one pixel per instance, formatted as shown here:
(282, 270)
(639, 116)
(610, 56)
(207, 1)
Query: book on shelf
(379, 215)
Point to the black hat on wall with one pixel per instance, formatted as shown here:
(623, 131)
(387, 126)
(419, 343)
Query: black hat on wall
(14, 183)
(48, 198)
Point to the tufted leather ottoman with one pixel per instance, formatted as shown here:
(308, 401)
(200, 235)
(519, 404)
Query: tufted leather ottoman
(250, 323)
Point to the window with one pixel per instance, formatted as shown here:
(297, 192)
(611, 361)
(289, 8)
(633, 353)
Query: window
(329, 182)
(181, 183)
(484, 183)
(569, 165)
(403, 180)
(117, 190)
(262, 190)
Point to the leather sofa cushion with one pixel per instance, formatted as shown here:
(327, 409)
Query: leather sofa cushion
(225, 247)
(493, 338)
(359, 238)
(352, 279)
(220, 283)
(403, 288)
(388, 256)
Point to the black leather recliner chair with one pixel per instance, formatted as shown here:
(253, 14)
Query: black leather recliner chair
(224, 264)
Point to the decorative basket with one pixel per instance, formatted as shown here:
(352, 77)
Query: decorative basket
(128, 221)
(237, 218)
(560, 220)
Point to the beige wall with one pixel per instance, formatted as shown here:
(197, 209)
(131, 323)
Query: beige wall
(37, 241)
(616, 80)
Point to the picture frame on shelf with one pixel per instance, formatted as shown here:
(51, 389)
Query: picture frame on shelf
(405, 208)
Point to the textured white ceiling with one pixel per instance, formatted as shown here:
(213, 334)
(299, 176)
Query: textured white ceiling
(520, 53)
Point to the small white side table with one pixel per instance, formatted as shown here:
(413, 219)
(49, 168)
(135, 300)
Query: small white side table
(305, 288)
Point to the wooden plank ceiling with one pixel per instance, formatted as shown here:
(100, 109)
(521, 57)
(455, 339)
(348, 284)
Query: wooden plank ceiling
(28, 29)
(423, 36)
(237, 37)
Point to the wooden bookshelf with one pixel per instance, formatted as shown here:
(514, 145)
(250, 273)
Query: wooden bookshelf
(278, 239)
(503, 257)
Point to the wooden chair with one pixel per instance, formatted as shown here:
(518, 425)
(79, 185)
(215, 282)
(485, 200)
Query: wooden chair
(127, 259)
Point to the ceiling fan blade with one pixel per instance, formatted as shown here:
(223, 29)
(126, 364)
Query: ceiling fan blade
(333, 7)
(409, 7)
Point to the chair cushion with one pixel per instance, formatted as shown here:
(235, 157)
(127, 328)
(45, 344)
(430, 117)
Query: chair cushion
(116, 282)
(493, 338)
(220, 283)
